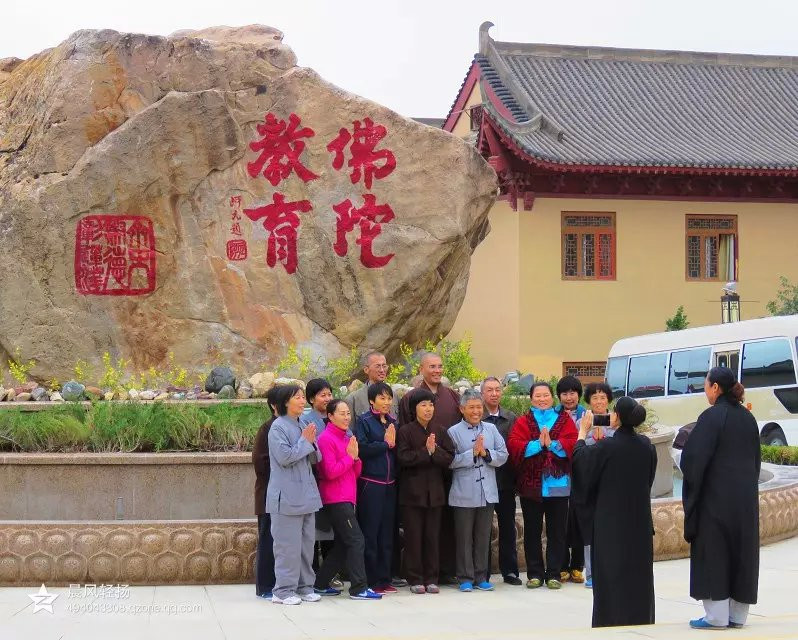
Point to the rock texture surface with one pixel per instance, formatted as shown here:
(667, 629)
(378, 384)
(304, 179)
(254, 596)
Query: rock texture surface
(156, 131)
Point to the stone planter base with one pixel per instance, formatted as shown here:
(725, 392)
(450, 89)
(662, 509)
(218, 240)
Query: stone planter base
(155, 552)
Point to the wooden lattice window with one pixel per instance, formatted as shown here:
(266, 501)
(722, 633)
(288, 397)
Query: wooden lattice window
(588, 246)
(711, 247)
(585, 371)
(475, 113)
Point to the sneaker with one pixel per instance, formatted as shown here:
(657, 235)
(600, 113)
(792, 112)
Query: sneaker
(589, 583)
(565, 576)
(513, 580)
(291, 600)
(554, 584)
(418, 588)
(433, 588)
(336, 583)
(576, 576)
(534, 583)
(398, 582)
(368, 594)
(311, 597)
(465, 587)
(485, 586)
(735, 625)
(701, 623)
(266, 595)
(329, 591)
(385, 590)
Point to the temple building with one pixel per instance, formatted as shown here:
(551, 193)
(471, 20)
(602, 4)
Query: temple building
(631, 182)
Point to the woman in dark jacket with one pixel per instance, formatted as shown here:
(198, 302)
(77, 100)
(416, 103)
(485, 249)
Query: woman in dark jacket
(376, 498)
(614, 478)
(720, 464)
(264, 555)
(424, 453)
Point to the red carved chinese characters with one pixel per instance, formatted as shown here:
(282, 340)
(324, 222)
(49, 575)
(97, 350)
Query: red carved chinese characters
(236, 247)
(280, 147)
(365, 161)
(281, 221)
(114, 255)
(369, 218)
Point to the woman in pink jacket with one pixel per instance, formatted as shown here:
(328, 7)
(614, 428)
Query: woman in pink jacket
(338, 472)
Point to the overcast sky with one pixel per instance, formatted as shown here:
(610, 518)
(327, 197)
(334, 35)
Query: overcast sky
(412, 55)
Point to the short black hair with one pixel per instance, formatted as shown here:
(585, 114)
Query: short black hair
(378, 389)
(283, 394)
(332, 405)
(417, 397)
(315, 386)
(568, 383)
(540, 383)
(271, 394)
(597, 387)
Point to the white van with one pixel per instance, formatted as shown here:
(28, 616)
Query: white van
(668, 370)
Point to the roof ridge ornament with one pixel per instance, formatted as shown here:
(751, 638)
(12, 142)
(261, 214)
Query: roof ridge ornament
(539, 121)
(484, 37)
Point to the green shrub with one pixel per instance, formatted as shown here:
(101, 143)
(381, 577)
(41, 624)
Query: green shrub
(780, 455)
(517, 403)
(132, 427)
(458, 363)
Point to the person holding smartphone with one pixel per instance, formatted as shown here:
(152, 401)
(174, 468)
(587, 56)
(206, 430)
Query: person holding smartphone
(597, 418)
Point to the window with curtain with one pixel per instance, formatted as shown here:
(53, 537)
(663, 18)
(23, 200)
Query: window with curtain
(711, 247)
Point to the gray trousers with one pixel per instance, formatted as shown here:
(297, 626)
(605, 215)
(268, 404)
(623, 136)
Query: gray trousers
(722, 612)
(588, 563)
(472, 527)
(294, 537)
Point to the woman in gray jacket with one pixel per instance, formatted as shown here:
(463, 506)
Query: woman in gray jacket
(292, 498)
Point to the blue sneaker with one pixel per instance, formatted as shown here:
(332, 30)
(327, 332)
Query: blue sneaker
(329, 591)
(700, 623)
(485, 586)
(589, 583)
(465, 587)
(267, 595)
(368, 594)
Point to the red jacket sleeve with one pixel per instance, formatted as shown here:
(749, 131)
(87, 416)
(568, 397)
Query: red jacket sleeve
(568, 436)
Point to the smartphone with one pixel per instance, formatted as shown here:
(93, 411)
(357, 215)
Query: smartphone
(601, 420)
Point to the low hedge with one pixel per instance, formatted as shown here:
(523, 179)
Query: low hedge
(780, 455)
(132, 427)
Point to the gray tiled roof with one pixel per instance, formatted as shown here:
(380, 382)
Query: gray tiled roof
(597, 106)
(431, 122)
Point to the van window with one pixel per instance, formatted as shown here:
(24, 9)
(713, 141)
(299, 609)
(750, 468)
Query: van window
(616, 375)
(767, 364)
(688, 370)
(647, 376)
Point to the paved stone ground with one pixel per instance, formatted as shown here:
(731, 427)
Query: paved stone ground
(233, 611)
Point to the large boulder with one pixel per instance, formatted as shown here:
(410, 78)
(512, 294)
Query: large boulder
(139, 207)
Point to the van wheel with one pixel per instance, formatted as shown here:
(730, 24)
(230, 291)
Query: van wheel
(773, 436)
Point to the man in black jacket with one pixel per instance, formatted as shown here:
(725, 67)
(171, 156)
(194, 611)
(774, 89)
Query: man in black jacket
(505, 479)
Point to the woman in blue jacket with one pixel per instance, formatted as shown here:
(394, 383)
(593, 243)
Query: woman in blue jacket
(376, 500)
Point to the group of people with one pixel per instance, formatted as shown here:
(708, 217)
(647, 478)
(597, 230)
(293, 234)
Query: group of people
(407, 490)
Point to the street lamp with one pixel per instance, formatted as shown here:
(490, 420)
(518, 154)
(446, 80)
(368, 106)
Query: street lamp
(730, 303)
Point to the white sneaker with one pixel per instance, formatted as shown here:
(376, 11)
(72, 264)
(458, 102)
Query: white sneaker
(311, 597)
(289, 600)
